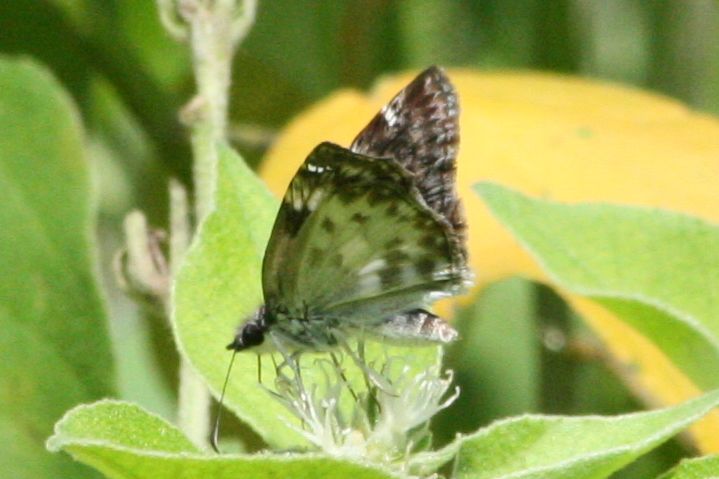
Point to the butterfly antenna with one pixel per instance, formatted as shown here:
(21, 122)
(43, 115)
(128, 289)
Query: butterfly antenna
(259, 369)
(216, 429)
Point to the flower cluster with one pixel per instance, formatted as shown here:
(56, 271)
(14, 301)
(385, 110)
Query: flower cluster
(382, 417)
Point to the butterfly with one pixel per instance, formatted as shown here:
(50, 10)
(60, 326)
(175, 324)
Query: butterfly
(367, 236)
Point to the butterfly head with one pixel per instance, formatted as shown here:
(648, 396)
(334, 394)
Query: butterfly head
(251, 333)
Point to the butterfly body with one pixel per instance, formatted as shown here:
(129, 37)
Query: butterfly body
(365, 237)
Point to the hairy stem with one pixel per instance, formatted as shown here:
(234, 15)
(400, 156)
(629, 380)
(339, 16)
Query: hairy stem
(213, 29)
(207, 117)
(207, 113)
(193, 413)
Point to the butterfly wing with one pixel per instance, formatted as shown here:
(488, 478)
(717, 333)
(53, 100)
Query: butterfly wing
(419, 129)
(355, 240)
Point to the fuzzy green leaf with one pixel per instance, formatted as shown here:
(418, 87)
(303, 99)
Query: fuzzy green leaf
(125, 442)
(54, 349)
(700, 468)
(496, 361)
(220, 285)
(534, 447)
(122, 424)
(648, 266)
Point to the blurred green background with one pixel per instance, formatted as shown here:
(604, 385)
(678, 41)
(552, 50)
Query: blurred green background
(525, 351)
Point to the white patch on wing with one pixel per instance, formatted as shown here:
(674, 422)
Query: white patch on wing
(441, 274)
(372, 267)
(297, 203)
(390, 115)
(314, 200)
(353, 247)
(433, 296)
(370, 282)
(315, 168)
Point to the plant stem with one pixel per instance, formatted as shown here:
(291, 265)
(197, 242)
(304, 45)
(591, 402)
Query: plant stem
(215, 28)
(193, 414)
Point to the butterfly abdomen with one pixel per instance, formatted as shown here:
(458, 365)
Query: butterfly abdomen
(418, 327)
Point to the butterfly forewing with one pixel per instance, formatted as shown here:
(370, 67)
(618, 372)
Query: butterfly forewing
(355, 241)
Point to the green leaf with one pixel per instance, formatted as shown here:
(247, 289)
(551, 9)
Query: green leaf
(127, 173)
(571, 447)
(125, 442)
(54, 349)
(700, 468)
(500, 365)
(439, 32)
(496, 361)
(122, 424)
(647, 266)
(312, 61)
(219, 286)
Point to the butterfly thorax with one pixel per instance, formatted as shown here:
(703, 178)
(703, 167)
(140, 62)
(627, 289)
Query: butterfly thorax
(294, 330)
(252, 332)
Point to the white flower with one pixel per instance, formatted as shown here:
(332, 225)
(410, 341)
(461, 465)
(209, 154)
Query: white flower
(387, 421)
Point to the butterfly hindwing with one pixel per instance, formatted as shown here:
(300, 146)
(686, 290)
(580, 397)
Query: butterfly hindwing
(355, 241)
(419, 129)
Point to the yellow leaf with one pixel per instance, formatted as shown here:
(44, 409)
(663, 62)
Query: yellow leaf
(561, 138)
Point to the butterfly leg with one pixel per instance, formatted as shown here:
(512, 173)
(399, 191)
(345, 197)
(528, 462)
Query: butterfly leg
(289, 359)
(294, 360)
(361, 356)
(360, 349)
(341, 371)
(259, 369)
(298, 369)
(372, 376)
(373, 402)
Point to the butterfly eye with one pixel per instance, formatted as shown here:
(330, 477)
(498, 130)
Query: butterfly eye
(252, 335)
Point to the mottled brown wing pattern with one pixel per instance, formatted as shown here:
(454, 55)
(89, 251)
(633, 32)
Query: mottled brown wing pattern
(419, 128)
